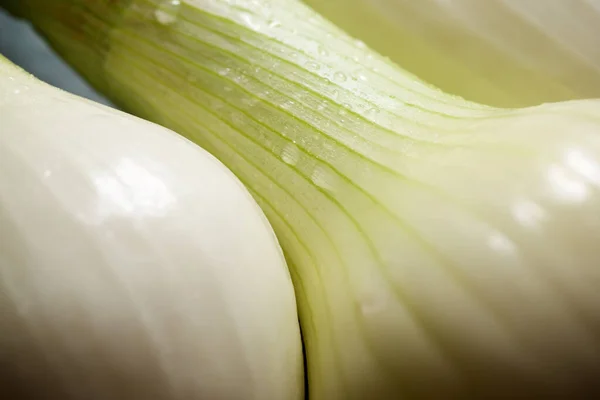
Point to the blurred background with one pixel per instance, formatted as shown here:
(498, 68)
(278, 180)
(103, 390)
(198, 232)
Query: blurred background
(22, 45)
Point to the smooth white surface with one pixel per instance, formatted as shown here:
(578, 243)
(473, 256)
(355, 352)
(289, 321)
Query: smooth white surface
(133, 265)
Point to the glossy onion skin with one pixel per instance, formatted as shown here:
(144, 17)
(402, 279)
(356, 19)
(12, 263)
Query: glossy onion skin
(133, 265)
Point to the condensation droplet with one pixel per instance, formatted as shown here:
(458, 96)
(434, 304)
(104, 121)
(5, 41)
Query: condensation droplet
(323, 177)
(360, 44)
(313, 65)
(323, 51)
(290, 154)
(250, 21)
(358, 76)
(340, 76)
(322, 106)
(274, 24)
(225, 71)
(240, 79)
(166, 12)
(250, 101)
(372, 111)
(287, 104)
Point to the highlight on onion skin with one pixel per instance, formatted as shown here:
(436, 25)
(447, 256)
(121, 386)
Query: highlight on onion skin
(126, 269)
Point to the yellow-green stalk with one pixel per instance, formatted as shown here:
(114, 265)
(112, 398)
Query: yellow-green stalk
(503, 52)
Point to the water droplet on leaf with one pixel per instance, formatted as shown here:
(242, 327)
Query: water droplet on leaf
(360, 44)
(323, 177)
(290, 154)
(250, 21)
(312, 65)
(166, 12)
(340, 76)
